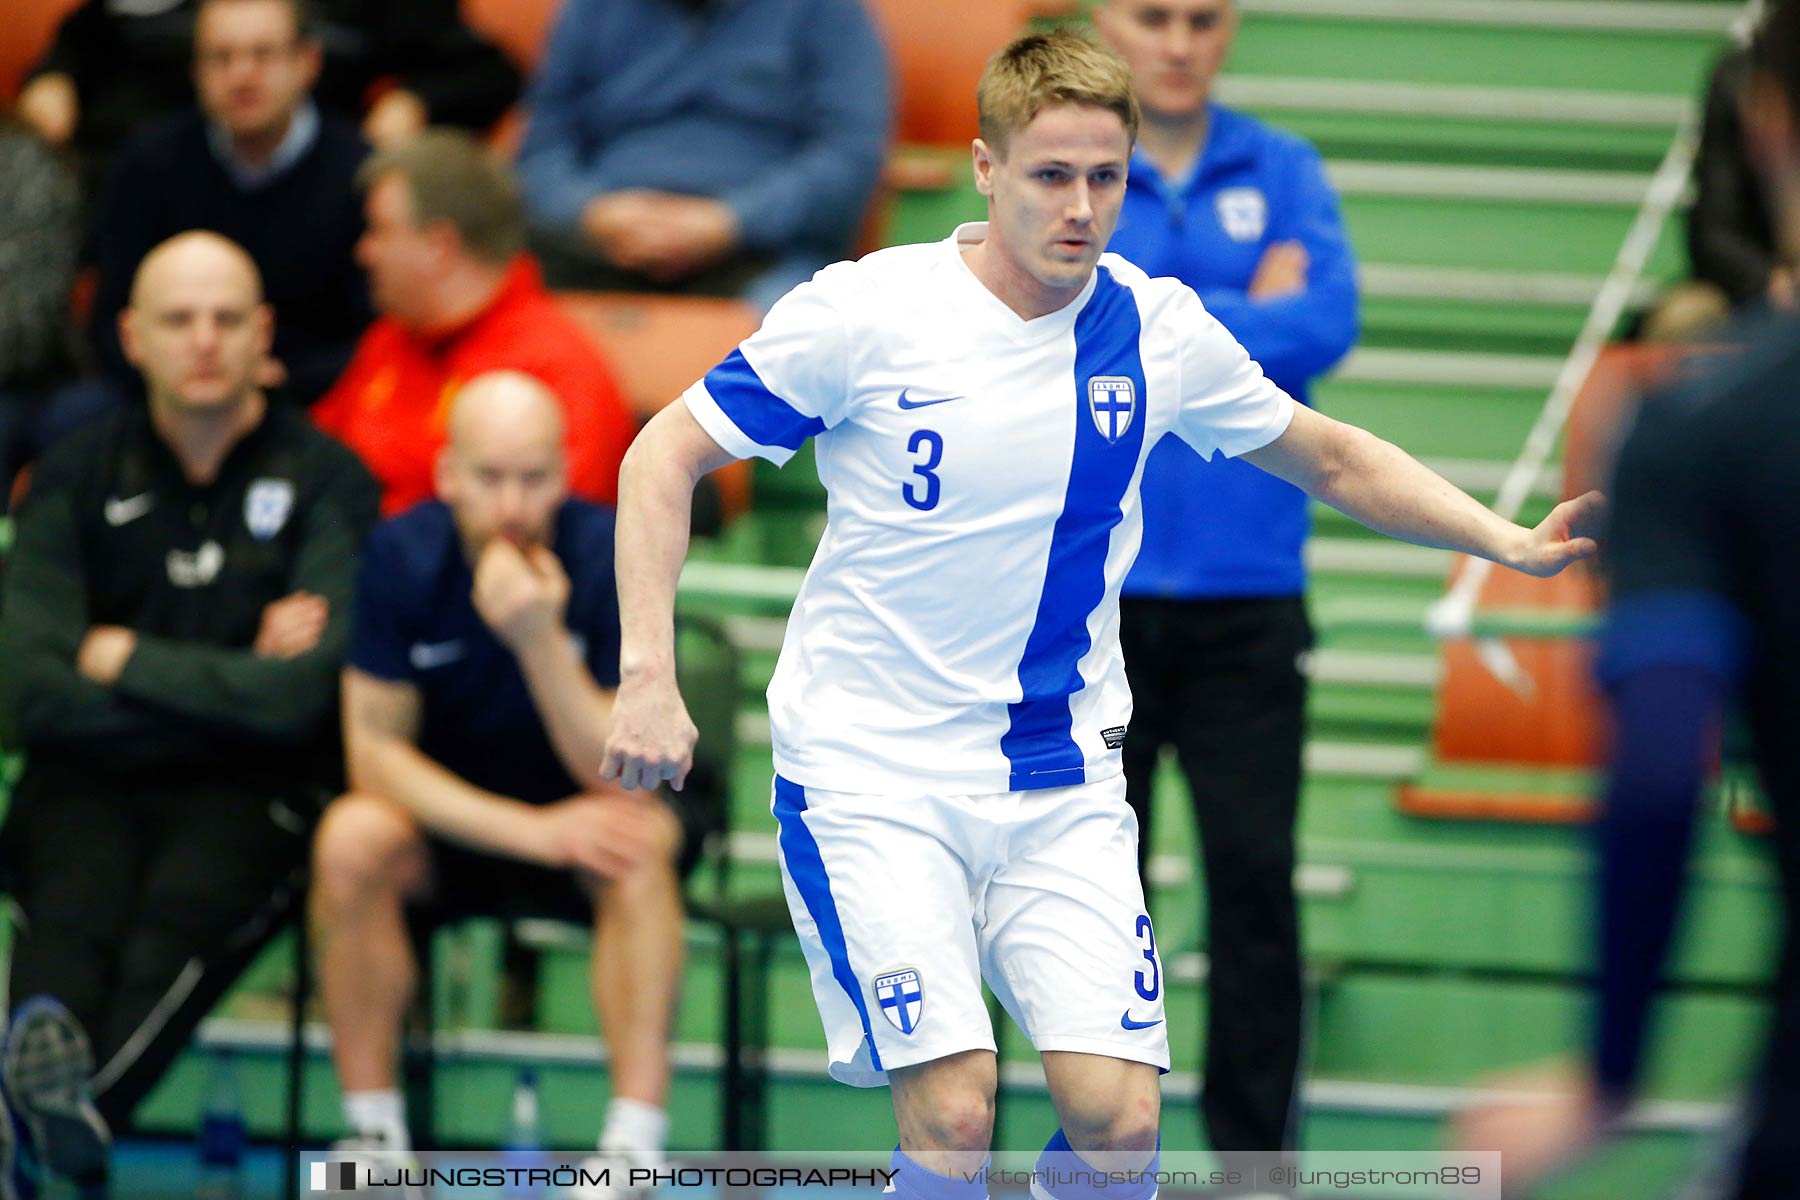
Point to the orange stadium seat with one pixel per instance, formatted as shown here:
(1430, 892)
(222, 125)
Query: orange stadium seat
(24, 36)
(519, 27)
(939, 48)
(658, 345)
(1501, 755)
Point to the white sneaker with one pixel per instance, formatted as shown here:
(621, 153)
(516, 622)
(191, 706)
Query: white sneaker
(615, 1167)
(370, 1153)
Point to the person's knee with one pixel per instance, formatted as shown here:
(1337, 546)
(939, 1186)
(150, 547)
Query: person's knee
(655, 873)
(1128, 1127)
(365, 845)
(663, 830)
(946, 1105)
(1109, 1105)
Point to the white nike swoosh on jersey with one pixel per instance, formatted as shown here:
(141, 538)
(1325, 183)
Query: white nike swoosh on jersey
(124, 512)
(427, 655)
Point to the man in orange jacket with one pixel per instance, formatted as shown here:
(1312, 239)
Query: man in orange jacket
(459, 298)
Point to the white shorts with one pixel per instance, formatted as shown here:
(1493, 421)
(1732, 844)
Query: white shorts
(904, 904)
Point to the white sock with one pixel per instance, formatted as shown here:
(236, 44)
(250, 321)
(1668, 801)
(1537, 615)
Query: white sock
(379, 1113)
(634, 1125)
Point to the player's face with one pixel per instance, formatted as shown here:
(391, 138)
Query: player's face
(1174, 48)
(403, 260)
(252, 69)
(198, 333)
(507, 481)
(1054, 198)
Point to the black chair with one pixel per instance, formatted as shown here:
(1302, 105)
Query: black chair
(749, 927)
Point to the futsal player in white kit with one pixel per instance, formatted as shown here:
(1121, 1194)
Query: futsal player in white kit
(950, 699)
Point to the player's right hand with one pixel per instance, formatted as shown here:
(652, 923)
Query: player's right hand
(650, 739)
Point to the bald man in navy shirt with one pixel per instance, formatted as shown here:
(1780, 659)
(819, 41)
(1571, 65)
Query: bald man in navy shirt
(484, 656)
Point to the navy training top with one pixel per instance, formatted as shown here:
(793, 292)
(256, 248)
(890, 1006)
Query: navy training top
(416, 623)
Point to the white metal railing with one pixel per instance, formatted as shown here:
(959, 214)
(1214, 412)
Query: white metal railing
(1382, 97)
(1453, 615)
(1624, 16)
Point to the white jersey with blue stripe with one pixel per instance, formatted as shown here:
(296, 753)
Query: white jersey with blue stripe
(958, 627)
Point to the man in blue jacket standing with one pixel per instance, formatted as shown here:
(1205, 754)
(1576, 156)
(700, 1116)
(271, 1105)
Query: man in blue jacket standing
(1214, 621)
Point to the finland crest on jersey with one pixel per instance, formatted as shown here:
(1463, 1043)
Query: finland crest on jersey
(958, 627)
(1112, 399)
(901, 995)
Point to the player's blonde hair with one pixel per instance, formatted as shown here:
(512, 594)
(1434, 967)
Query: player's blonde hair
(1042, 69)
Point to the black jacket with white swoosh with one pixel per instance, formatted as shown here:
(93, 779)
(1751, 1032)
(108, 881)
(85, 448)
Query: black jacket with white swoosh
(112, 533)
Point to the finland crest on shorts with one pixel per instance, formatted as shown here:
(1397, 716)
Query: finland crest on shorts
(901, 995)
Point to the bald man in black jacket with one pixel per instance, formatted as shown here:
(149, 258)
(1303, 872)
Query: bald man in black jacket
(175, 614)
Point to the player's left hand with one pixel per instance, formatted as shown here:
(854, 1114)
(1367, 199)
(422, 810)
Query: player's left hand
(1541, 1119)
(520, 591)
(1566, 536)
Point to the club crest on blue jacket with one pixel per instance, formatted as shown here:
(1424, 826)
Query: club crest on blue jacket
(1243, 213)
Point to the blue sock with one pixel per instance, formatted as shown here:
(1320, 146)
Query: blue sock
(1063, 1174)
(915, 1182)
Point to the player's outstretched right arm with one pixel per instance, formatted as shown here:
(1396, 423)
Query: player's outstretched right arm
(651, 738)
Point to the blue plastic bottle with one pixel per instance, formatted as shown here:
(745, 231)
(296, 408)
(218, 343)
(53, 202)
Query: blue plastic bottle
(525, 1137)
(222, 1134)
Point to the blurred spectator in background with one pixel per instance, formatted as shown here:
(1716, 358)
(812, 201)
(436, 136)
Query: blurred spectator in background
(257, 163)
(1213, 616)
(1731, 235)
(118, 63)
(717, 147)
(176, 611)
(1704, 615)
(40, 237)
(406, 65)
(459, 297)
(482, 670)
